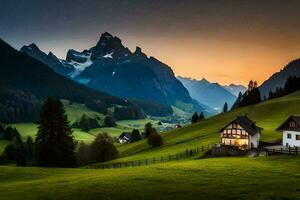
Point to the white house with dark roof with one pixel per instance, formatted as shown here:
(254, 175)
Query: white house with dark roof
(291, 131)
(241, 133)
(124, 137)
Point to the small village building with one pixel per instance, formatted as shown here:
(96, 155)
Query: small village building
(291, 131)
(125, 137)
(241, 133)
(178, 126)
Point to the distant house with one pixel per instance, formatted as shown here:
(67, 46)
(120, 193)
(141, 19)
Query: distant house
(241, 133)
(124, 137)
(178, 126)
(291, 131)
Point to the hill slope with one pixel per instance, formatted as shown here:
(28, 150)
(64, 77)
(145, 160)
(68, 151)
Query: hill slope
(268, 115)
(219, 178)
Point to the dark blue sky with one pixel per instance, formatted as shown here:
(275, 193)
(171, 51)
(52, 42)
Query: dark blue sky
(186, 34)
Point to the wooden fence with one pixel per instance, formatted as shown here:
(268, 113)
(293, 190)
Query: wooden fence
(289, 151)
(154, 160)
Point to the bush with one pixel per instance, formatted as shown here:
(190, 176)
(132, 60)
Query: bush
(84, 154)
(148, 130)
(101, 150)
(155, 140)
(135, 135)
(15, 152)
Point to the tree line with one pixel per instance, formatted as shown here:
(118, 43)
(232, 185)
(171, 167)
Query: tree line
(197, 118)
(291, 85)
(250, 97)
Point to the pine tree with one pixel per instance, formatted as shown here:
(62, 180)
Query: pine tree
(55, 146)
(201, 116)
(225, 108)
(195, 117)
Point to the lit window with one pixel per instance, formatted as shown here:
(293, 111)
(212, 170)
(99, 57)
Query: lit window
(292, 124)
(289, 136)
(297, 137)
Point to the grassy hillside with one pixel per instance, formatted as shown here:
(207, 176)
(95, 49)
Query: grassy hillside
(268, 115)
(76, 110)
(219, 178)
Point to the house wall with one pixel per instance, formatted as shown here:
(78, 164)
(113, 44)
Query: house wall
(290, 142)
(254, 140)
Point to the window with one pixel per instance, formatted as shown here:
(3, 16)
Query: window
(289, 136)
(297, 137)
(292, 124)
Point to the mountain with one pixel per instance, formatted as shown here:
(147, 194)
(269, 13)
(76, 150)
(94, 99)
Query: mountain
(278, 79)
(210, 94)
(22, 73)
(129, 75)
(235, 89)
(51, 60)
(113, 68)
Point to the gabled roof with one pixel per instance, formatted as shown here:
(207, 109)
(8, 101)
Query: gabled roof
(246, 124)
(125, 134)
(295, 118)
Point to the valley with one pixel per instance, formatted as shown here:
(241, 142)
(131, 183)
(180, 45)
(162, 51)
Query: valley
(149, 100)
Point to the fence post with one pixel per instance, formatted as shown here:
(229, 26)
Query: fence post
(202, 148)
(289, 150)
(139, 163)
(114, 165)
(197, 149)
(176, 156)
(153, 160)
(169, 157)
(131, 163)
(146, 162)
(161, 159)
(187, 153)
(296, 150)
(126, 164)
(180, 154)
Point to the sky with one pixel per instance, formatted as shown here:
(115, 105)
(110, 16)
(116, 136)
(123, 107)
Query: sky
(225, 41)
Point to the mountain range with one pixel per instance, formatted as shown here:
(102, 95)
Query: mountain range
(211, 94)
(235, 89)
(110, 67)
(21, 74)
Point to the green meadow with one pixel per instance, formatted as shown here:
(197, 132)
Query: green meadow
(265, 178)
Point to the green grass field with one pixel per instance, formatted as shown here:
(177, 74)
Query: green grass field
(265, 178)
(75, 111)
